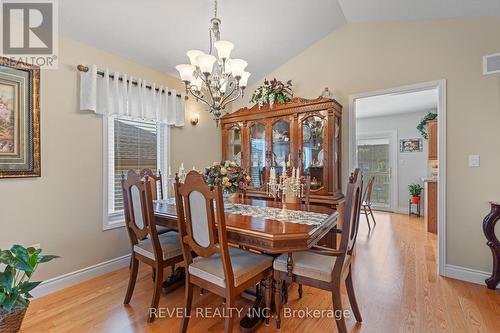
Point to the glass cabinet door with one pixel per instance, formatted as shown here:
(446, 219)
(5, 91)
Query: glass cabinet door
(257, 154)
(281, 145)
(233, 152)
(313, 144)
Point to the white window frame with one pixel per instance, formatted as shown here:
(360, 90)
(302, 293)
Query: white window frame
(112, 220)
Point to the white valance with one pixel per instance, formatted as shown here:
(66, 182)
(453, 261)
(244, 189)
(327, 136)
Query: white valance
(108, 97)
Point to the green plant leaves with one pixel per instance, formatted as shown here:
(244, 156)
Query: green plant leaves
(20, 264)
(46, 258)
(422, 126)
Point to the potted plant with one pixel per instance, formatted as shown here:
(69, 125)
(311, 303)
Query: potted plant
(271, 92)
(15, 285)
(415, 190)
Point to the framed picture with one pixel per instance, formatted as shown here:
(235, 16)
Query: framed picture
(410, 145)
(19, 119)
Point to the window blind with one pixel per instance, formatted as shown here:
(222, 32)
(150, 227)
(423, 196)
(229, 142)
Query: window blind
(135, 147)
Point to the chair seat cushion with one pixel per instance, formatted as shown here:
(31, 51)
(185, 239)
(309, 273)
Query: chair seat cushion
(245, 266)
(307, 264)
(169, 243)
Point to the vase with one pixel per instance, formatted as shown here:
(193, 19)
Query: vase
(10, 322)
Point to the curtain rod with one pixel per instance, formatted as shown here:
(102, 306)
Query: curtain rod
(83, 68)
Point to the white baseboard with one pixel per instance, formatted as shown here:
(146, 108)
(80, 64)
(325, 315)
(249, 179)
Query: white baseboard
(69, 279)
(466, 274)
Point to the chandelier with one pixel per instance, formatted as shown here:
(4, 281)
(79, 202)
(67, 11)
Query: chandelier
(213, 81)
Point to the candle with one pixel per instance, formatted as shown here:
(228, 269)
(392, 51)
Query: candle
(293, 173)
(194, 168)
(284, 167)
(298, 171)
(273, 175)
(169, 171)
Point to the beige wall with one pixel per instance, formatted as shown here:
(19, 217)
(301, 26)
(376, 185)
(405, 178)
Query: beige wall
(364, 57)
(62, 210)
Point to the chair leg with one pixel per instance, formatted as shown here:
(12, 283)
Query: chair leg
(188, 300)
(367, 220)
(134, 268)
(268, 283)
(229, 321)
(373, 217)
(156, 293)
(337, 309)
(277, 299)
(284, 292)
(352, 297)
(300, 290)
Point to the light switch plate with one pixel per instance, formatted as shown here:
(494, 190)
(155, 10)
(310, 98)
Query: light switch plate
(473, 161)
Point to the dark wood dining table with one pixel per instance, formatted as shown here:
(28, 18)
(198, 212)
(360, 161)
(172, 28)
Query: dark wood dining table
(265, 235)
(261, 234)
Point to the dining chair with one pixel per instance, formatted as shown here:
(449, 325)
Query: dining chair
(366, 205)
(325, 268)
(156, 184)
(157, 251)
(218, 268)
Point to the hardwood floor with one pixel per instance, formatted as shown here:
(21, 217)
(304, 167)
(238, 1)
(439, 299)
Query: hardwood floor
(395, 279)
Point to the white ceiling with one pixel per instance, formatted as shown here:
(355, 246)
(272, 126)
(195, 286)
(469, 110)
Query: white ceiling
(157, 33)
(395, 104)
(383, 10)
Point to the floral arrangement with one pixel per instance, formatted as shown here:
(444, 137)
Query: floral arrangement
(230, 175)
(273, 91)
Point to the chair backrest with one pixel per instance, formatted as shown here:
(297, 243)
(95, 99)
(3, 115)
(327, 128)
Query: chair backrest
(156, 184)
(201, 220)
(350, 221)
(367, 195)
(138, 208)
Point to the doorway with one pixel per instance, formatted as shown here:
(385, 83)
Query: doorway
(354, 158)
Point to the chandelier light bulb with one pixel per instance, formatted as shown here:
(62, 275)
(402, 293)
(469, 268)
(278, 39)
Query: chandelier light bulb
(192, 55)
(206, 63)
(238, 67)
(186, 72)
(244, 79)
(224, 48)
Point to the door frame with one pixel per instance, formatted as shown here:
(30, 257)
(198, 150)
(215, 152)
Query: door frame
(440, 85)
(392, 135)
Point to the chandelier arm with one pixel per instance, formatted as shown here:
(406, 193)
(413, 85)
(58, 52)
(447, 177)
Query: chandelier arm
(234, 87)
(197, 96)
(205, 80)
(232, 99)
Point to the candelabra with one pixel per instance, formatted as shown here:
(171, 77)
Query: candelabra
(283, 185)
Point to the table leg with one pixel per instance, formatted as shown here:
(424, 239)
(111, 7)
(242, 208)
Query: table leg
(253, 319)
(174, 281)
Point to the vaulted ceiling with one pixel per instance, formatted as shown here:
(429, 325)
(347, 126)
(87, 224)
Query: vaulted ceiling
(157, 33)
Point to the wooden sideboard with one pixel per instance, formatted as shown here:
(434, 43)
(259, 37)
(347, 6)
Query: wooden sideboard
(305, 132)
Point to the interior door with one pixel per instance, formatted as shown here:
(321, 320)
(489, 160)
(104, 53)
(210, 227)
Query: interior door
(376, 158)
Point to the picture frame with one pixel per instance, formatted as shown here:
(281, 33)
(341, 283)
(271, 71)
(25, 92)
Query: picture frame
(19, 119)
(410, 145)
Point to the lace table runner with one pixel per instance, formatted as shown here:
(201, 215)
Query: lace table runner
(271, 213)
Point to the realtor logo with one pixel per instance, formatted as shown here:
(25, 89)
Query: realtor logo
(30, 31)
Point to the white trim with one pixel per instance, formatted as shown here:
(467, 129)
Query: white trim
(466, 274)
(392, 135)
(440, 85)
(72, 278)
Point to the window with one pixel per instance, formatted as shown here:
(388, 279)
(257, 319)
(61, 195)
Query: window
(131, 144)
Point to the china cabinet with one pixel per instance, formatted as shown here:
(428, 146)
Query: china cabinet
(305, 134)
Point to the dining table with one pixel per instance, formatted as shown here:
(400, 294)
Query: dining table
(266, 226)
